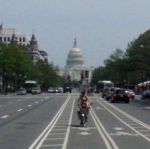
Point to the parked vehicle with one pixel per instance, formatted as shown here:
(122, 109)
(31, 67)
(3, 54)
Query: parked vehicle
(146, 94)
(120, 95)
(36, 90)
(51, 90)
(60, 90)
(67, 89)
(21, 91)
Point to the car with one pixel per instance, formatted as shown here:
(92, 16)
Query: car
(67, 89)
(131, 93)
(146, 94)
(51, 90)
(36, 90)
(21, 91)
(60, 90)
(120, 95)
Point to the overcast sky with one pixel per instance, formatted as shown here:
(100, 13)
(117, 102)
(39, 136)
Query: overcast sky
(101, 26)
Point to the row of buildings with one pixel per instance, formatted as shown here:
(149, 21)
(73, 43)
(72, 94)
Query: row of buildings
(10, 35)
(75, 69)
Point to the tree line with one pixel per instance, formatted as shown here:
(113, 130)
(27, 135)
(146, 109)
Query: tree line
(16, 66)
(129, 66)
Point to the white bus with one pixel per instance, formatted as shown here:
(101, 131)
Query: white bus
(29, 85)
(104, 84)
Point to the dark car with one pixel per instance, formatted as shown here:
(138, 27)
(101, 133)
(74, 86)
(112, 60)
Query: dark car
(120, 95)
(67, 89)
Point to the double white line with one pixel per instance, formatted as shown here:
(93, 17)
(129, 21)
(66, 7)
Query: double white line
(109, 142)
(38, 142)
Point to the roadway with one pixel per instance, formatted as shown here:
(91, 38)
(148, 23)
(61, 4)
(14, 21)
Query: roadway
(49, 121)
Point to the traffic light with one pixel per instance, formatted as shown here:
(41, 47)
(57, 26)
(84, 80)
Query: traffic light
(82, 75)
(86, 74)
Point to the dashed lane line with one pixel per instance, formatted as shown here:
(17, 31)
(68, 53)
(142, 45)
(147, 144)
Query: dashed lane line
(19, 110)
(5, 116)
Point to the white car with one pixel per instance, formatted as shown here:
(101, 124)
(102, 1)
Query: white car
(131, 93)
(36, 90)
(21, 91)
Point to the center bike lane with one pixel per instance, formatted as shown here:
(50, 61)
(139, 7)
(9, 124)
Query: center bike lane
(88, 137)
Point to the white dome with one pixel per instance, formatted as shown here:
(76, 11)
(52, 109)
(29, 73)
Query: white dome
(75, 58)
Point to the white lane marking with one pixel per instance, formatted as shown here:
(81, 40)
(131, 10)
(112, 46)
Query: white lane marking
(86, 128)
(68, 129)
(29, 105)
(5, 116)
(121, 133)
(109, 142)
(84, 133)
(128, 125)
(127, 115)
(118, 128)
(37, 143)
(99, 108)
(19, 110)
(148, 108)
(54, 138)
(51, 145)
(59, 133)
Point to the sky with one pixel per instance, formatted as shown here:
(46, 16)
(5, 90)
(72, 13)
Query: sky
(100, 26)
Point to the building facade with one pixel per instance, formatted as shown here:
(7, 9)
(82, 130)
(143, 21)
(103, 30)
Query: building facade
(6, 35)
(10, 36)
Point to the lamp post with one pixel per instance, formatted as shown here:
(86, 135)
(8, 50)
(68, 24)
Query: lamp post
(1, 72)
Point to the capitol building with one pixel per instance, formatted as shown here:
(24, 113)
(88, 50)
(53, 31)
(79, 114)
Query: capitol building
(75, 69)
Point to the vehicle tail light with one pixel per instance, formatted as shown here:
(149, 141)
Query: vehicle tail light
(113, 95)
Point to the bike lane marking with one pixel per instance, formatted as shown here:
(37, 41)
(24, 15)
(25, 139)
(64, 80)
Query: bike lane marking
(109, 142)
(128, 120)
(42, 137)
(58, 133)
(68, 129)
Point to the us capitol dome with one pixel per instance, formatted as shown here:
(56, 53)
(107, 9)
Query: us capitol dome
(75, 58)
(75, 68)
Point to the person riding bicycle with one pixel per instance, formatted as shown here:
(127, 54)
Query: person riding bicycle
(84, 103)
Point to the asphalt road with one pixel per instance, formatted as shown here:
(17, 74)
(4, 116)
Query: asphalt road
(49, 121)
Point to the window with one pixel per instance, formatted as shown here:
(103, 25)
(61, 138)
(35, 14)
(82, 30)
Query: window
(1, 39)
(24, 39)
(5, 38)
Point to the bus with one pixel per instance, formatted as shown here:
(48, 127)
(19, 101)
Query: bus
(29, 85)
(104, 84)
